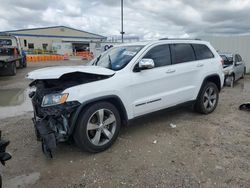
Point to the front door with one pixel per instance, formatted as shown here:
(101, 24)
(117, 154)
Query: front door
(151, 85)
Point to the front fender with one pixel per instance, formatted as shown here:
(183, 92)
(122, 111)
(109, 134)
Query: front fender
(84, 104)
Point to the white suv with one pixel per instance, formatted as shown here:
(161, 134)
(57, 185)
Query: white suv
(89, 103)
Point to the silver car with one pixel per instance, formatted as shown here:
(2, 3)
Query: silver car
(234, 68)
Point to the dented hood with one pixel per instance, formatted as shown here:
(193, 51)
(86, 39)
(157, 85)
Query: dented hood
(57, 72)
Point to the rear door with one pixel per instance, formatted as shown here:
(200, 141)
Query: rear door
(239, 67)
(242, 65)
(187, 72)
(205, 61)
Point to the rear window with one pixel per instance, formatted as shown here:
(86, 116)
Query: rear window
(5, 42)
(202, 52)
(182, 53)
(239, 59)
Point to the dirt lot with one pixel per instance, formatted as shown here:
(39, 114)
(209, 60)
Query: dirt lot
(202, 151)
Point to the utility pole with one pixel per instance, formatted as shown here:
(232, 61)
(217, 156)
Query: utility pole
(122, 32)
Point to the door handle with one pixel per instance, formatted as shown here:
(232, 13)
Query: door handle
(199, 65)
(170, 71)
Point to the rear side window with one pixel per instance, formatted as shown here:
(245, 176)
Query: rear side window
(236, 58)
(160, 54)
(239, 59)
(202, 52)
(182, 53)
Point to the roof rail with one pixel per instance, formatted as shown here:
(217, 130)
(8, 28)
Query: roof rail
(179, 39)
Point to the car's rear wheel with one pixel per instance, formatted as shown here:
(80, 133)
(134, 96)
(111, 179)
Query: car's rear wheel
(11, 69)
(97, 127)
(207, 99)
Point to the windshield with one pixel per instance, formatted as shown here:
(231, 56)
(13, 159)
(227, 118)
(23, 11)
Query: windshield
(5, 42)
(228, 60)
(116, 58)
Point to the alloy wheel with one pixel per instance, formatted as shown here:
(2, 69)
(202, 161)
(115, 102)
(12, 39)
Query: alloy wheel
(209, 98)
(101, 127)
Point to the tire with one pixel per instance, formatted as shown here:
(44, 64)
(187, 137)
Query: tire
(207, 99)
(25, 64)
(11, 69)
(92, 134)
(229, 80)
(20, 64)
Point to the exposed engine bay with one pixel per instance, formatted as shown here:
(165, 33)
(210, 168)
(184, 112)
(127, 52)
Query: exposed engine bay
(53, 123)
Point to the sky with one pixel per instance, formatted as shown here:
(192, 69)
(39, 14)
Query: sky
(148, 19)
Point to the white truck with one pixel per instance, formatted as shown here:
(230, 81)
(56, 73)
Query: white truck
(11, 55)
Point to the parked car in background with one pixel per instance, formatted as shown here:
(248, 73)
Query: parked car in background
(234, 68)
(89, 103)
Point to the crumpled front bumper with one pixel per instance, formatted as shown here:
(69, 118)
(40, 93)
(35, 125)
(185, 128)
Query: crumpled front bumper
(52, 124)
(45, 134)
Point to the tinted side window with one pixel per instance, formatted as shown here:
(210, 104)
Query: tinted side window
(160, 54)
(236, 58)
(202, 51)
(239, 58)
(182, 53)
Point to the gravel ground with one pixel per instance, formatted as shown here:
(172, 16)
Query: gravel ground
(201, 151)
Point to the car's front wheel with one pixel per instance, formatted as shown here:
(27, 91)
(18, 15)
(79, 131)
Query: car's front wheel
(97, 127)
(229, 80)
(207, 99)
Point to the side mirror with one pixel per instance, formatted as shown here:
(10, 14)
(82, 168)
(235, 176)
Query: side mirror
(146, 64)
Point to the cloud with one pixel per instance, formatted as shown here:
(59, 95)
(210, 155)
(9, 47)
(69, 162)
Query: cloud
(144, 18)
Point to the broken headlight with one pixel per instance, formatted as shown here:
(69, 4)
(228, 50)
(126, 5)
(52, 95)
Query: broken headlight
(54, 99)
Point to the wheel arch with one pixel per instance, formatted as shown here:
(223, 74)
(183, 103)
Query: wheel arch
(113, 99)
(232, 74)
(215, 78)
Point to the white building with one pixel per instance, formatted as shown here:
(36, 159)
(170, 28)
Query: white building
(43, 38)
(233, 44)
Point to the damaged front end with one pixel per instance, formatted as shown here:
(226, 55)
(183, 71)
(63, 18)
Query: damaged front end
(53, 114)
